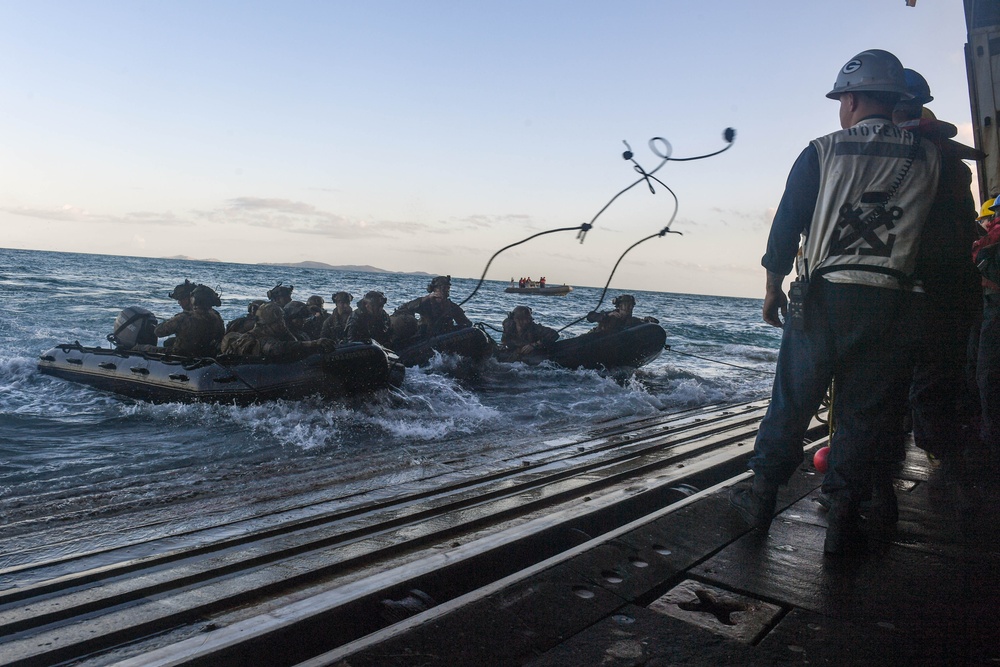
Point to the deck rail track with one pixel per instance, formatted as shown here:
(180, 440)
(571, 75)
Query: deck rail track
(445, 538)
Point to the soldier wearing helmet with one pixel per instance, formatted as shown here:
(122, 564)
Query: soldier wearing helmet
(438, 314)
(858, 198)
(197, 332)
(296, 316)
(620, 318)
(335, 326)
(522, 335)
(370, 321)
(271, 338)
(314, 326)
(281, 294)
(182, 294)
(245, 323)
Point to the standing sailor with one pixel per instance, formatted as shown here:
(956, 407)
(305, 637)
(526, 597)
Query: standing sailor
(860, 197)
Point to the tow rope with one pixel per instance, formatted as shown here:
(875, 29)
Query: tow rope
(659, 147)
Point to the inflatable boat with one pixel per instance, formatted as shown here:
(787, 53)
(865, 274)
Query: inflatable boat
(622, 350)
(548, 290)
(353, 368)
(472, 343)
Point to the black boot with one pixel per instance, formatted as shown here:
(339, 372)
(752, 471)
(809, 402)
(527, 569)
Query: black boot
(755, 502)
(843, 532)
(883, 510)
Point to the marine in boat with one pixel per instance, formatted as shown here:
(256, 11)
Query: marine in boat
(619, 342)
(137, 368)
(435, 323)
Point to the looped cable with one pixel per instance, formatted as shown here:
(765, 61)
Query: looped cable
(661, 148)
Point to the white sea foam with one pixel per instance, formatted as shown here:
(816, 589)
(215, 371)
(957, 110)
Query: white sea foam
(68, 446)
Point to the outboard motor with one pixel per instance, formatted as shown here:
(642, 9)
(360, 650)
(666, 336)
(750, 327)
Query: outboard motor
(133, 326)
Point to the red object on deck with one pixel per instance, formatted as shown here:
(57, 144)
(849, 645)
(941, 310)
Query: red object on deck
(820, 458)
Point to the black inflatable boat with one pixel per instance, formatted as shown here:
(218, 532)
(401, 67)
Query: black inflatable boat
(352, 368)
(471, 343)
(622, 350)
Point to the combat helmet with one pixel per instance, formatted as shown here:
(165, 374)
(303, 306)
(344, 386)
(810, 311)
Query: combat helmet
(871, 71)
(622, 299)
(270, 313)
(315, 301)
(520, 311)
(342, 297)
(182, 291)
(438, 281)
(296, 310)
(376, 297)
(204, 296)
(279, 291)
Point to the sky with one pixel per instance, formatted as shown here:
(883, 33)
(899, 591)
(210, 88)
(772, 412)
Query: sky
(425, 135)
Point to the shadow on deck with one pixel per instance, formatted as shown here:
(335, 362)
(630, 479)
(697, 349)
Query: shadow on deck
(694, 587)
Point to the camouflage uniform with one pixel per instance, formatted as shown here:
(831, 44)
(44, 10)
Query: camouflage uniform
(245, 323)
(437, 316)
(335, 326)
(198, 332)
(365, 326)
(612, 321)
(314, 325)
(538, 335)
(270, 338)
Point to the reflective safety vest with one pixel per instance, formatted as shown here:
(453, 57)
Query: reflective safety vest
(877, 183)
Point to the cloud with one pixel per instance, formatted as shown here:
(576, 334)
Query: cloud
(756, 219)
(483, 220)
(69, 213)
(712, 269)
(301, 218)
(280, 214)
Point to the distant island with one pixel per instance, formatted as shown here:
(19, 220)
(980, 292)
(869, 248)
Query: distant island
(315, 265)
(365, 268)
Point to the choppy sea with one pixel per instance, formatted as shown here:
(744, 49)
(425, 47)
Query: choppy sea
(67, 450)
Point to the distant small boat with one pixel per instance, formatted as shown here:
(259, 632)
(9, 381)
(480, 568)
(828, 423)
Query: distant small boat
(548, 290)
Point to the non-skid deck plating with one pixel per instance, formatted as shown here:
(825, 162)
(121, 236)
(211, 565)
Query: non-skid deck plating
(591, 552)
(333, 559)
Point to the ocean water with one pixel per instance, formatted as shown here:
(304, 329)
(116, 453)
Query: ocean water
(69, 453)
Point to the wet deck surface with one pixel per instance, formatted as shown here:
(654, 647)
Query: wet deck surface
(596, 551)
(693, 587)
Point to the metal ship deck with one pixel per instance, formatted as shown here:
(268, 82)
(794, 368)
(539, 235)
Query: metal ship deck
(617, 548)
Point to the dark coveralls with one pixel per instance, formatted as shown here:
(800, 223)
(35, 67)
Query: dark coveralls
(986, 254)
(856, 333)
(940, 398)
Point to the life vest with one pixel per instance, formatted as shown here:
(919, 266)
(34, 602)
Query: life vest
(866, 229)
